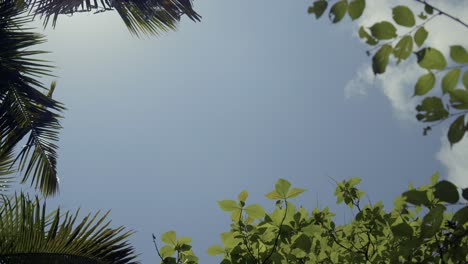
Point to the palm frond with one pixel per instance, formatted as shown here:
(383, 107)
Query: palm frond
(6, 160)
(27, 232)
(140, 16)
(24, 109)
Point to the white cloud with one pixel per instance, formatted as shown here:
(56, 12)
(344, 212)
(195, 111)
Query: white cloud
(456, 161)
(398, 81)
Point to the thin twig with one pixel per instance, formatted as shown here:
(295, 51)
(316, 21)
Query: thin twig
(424, 2)
(279, 232)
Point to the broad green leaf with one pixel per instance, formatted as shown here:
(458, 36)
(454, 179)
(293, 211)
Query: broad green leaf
(303, 242)
(465, 79)
(236, 215)
(456, 132)
(184, 240)
(458, 54)
(432, 109)
(450, 80)
(228, 239)
(461, 216)
(167, 251)
(459, 98)
(420, 36)
(424, 84)
(215, 250)
(282, 187)
(243, 196)
(403, 48)
(380, 59)
(356, 8)
(312, 229)
(295, 192)
(228, 205)
(255, 211)
(416, 197)
(432, 221)
(338, 11)
(465, 194)
(446, 191)
(354, 181)
(169, 238)
(435, 178)
(402, 230)
(318, 8)
(369, 39)
(403, 16)
(383, 30)
(431, 59)
(273, 195)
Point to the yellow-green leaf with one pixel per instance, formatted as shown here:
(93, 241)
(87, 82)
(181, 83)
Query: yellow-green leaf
(383, 30)
(450, 80)
(295, 192)
(431, 59)
(169, 238)
(458, 54)
(228, 205)
(282, 187)
(167, 251)
(424, 84)
(215, 250)
(403, 16)
(243, 196)
(255, 211)
(273, 195)
(420, 36)
(403, 48)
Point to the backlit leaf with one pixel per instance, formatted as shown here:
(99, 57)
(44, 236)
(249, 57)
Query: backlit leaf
(255, 211)
(403, 16)
(228, 205)
(424, 84)
(383, 30)
(431, 59)
(273, 195)
(456, 132)
(403, 48)
(295, 192)
(215, 250)
(450, 80)
(420, 36)
(380, 59)
(243, 196)
(282, 187)
(167, 251)
(458, 54)
(169, 238)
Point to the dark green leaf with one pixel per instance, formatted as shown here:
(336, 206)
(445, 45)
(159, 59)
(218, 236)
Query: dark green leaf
(318, 8)
(456, 132)
(432, 109)
(461, 216)
(383, 30)
(432, 221)
(446, 191)
(303, 242)
(465, 193)
(420, 36)
(402, 230)
(416, 197)
(428, 9)
(338, 11)
(431, 59)
(424, 84)
(450, 80)
(403, 16)
(356, 8)
(380, 59)
(403, 48)
(458, 54)
(465, 79)
(459, 98)
(369, 39)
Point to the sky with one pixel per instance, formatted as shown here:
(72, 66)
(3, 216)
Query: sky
(157, 129)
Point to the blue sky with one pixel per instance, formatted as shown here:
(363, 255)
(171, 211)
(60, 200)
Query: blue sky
(160, 128)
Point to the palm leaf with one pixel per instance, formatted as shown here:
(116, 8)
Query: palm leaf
(28, 233)
(140, 16)
(24, 110)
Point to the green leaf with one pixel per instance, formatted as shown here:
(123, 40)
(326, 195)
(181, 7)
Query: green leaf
(432, 221)
(295, 192)
(380, 59)
(354, 181)
(228, 205)
(243, 196)
(402, 230)
(459, 98)
(424, 84)
(169, 238)
(435, 178)
(420, 36)
(318, 8)
(428, 9)
(432, 109)
(282, 187)
(356, 8)
(167, 251)
(383, 30)
(456, 132)
(431, 59)
(465, 79)
(369, 39)
(403, 48)
(446, 191)
(416, 197)
(184, 240)
(465, 194)
(403, 16)
(450, 80)
(461, 216)
(458, 54)
(273, 195)
(338, 11)
(255, 211)
(236, 215)
(302, 242)
(215, 250)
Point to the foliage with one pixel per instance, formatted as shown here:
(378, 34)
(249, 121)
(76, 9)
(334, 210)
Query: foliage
(26, 229)
(427, 225)
(393, 42)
